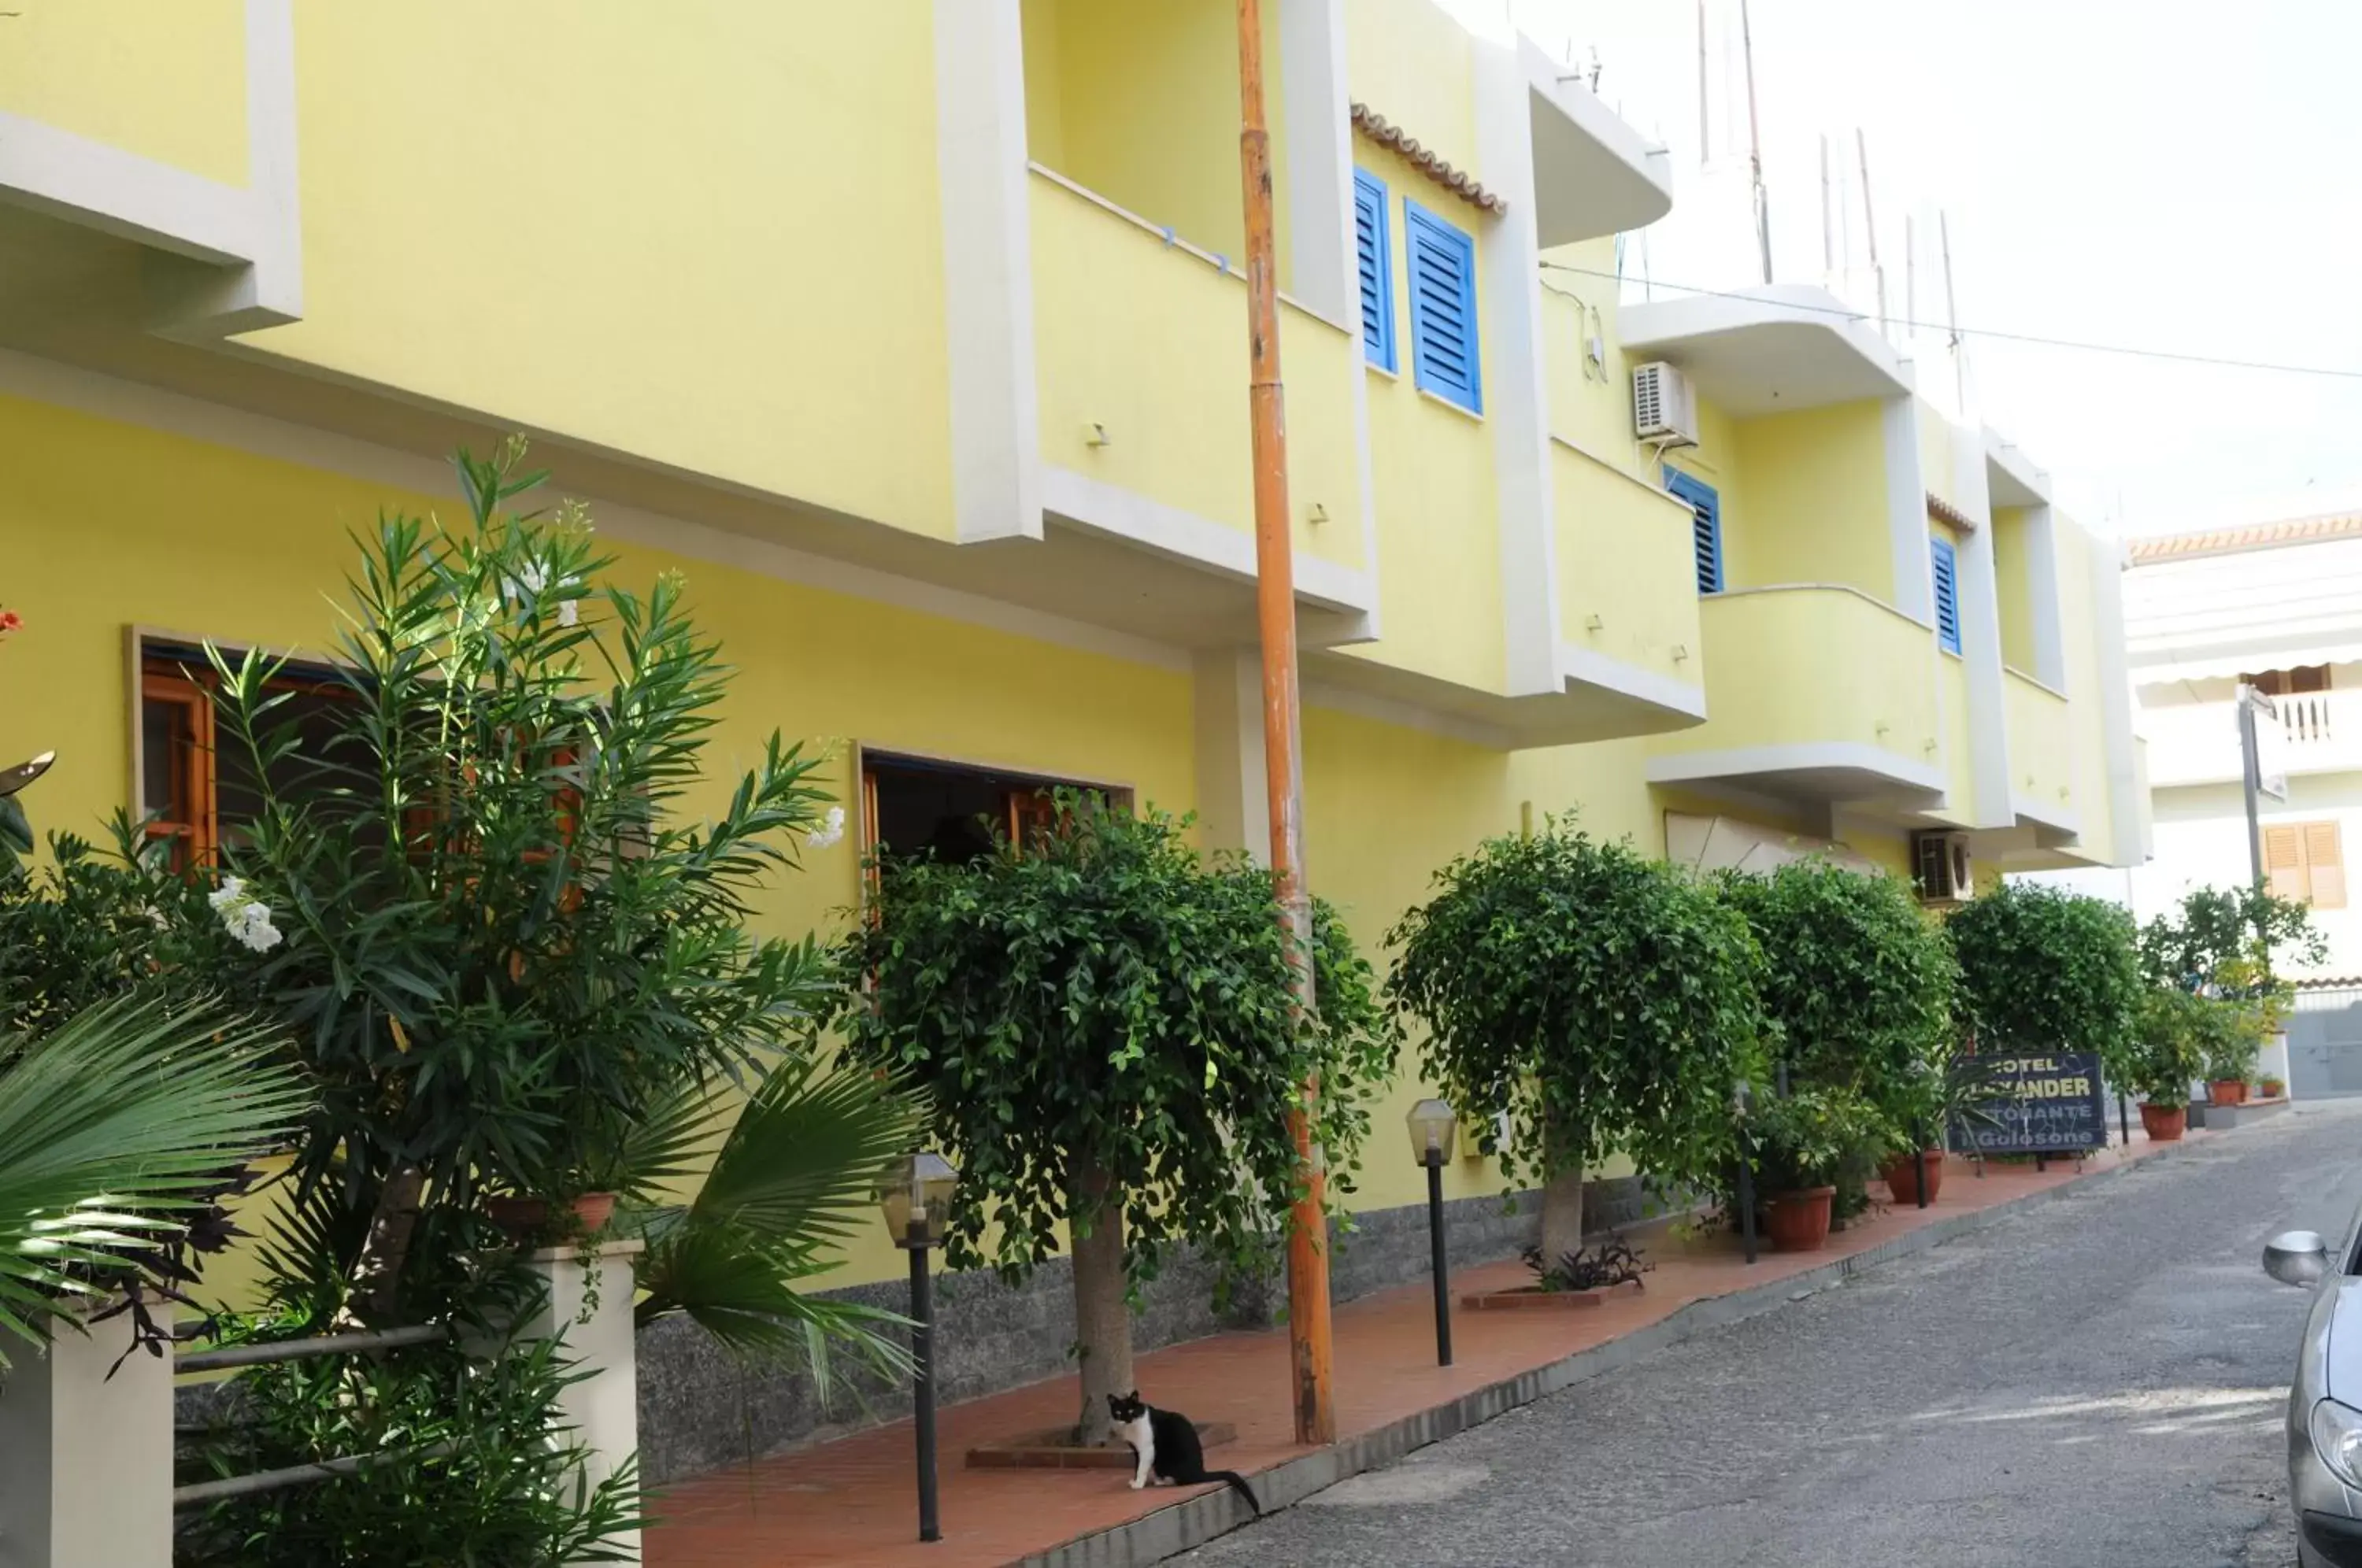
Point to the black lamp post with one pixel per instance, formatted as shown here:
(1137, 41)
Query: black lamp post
(1745, 1177)
(917, 1200)
(1434, 1127)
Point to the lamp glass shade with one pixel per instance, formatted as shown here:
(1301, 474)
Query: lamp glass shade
(1434, 1126)
(919, 1193)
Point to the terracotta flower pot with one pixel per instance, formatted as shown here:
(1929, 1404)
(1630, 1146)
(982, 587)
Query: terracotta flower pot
(2228, 1091)
(1904, 1173)
(593, 1209)
(2271, 1088)
(2163, 1123)
(1799, 1221)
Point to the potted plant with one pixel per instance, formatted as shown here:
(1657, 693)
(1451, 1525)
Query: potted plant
(1859, 981)
(1593, 1001)
(1798, 1145)
(1150, 1105)
(2231, 1029)
(2170, 1055)
(1939, 1098)
(2271, 1087)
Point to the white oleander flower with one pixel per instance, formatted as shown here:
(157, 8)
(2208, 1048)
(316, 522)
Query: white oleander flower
(229, 895)
(830, 831)
(252, 927)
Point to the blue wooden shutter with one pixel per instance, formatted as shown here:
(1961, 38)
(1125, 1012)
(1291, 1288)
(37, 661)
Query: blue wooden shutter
(1705, 527)
(1948, 593)
(1375, 257)
(1442, 287)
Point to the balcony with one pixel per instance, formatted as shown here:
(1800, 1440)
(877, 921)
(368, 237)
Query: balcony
(1141, 344)
(2198, 743)
(1817, 695)
(1629, 639)
(2040, 727)
(164, 136)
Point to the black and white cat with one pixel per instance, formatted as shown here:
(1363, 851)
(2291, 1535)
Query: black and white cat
(1165, 1444)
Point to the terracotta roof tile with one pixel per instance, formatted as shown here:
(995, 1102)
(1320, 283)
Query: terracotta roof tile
(1386, 133)
(2256, 537)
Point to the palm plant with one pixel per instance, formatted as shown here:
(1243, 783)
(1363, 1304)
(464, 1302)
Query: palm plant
(115, 1129)
(797, 1172)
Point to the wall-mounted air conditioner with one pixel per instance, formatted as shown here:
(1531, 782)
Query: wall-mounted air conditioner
(1664, 409)
(1940, 866)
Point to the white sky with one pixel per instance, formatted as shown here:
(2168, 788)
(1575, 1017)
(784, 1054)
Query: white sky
(2175, 174)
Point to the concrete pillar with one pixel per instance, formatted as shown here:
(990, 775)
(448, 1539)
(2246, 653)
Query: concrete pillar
(589, 1307)
(86, 1459)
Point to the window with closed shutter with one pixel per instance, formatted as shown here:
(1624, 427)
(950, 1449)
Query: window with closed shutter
(1705, 527)
(2305, 861)
(1373, 256)
(1947, 565)
(1442, 267)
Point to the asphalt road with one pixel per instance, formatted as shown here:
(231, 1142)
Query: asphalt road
(2098, 1382)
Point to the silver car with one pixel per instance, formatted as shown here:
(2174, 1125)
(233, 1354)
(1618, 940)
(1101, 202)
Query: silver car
(2324, 1411)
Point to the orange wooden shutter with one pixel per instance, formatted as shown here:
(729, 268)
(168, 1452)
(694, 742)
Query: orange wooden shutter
(2324, 861)
(2284, 862)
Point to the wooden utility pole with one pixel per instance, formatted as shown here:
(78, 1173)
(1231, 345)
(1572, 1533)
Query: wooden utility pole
(1310, 1349)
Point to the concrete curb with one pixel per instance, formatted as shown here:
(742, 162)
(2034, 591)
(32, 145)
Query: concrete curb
(1170, 1531)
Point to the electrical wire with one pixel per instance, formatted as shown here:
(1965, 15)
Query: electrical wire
(2080, 345)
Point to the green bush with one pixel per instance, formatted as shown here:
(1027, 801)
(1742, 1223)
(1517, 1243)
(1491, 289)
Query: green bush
(1603, 1001)
(2043, 970)
(1859, 981)
(1106, 1023)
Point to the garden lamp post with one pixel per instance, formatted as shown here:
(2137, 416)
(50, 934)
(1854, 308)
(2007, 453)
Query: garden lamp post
(1434, 1127)
(1744, 1099)
(917, 1200)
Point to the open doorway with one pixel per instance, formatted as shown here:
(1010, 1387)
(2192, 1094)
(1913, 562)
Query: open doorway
(953, 812)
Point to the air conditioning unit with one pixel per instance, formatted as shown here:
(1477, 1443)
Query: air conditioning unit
(1940, 866)
(1664, 409)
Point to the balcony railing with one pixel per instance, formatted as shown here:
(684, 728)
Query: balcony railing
(2198, 743)
(2041, 746)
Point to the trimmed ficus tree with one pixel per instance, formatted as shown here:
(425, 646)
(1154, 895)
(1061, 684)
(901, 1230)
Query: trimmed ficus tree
(1858, 977)
(2043, 969)
(1603, 1002)
(1106, 1023)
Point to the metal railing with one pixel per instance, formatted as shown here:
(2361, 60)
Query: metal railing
(199, 1493)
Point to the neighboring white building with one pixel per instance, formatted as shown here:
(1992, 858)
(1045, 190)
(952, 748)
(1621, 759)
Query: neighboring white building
(2278, 605)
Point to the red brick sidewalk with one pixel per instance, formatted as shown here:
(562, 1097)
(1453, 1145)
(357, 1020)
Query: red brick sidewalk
(852, 1501)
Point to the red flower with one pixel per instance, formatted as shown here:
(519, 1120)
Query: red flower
(10, 620)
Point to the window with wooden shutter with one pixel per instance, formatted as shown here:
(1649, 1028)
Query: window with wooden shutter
(1946, 563)
(1443, 286)
(2324, 865)
(1374, 257)
(1705, 527)
(2305, 861)
(197, 793)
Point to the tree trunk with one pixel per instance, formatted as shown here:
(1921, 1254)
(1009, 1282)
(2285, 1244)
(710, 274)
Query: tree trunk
(1102, 1315)
(377, 1275)
(1562, 1194)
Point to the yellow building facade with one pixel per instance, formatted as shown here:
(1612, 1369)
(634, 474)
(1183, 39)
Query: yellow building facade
(914, 334)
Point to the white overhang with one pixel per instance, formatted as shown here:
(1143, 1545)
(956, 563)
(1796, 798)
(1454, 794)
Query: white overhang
(1768, 351)
(1593, 174)
(2012, 479)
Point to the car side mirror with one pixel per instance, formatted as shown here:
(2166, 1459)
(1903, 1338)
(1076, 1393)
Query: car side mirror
(2296, 1257)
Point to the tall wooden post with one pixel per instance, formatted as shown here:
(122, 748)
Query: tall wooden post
(1307, 1235)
